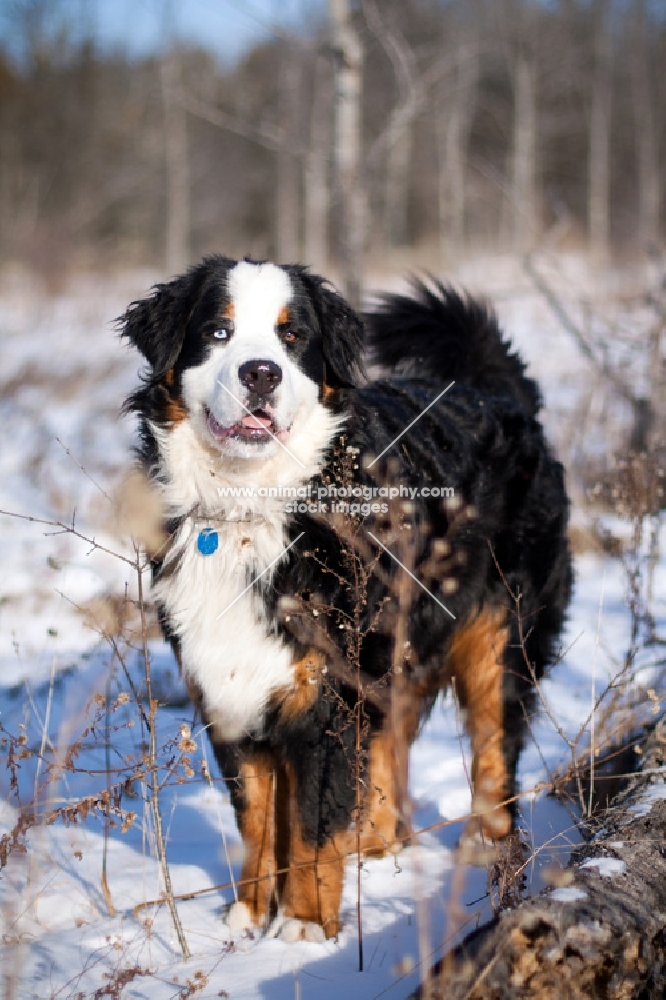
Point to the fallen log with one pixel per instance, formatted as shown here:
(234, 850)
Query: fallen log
(600, 932)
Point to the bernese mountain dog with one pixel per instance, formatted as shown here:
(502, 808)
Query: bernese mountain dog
(336, 549)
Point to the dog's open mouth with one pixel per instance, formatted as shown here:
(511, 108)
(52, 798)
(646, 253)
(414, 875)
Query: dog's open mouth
(256, 426)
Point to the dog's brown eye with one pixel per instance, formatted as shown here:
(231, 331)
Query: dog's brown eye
(289, 337)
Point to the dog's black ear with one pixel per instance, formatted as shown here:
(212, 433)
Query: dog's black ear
(157, 324)
(342, 334)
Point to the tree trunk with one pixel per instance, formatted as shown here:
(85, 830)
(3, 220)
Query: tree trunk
(316, 172)
(351, 199)
(287, 221)
(649, 186)
(398, 136)
(396, 196)
(600, 130)
(602, 933)
(525, 223)
(177, 166)
(453, 140)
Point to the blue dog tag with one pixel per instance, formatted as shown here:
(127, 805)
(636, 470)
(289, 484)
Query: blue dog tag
(207, 541)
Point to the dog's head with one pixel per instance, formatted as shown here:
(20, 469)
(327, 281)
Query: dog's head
(244, 350)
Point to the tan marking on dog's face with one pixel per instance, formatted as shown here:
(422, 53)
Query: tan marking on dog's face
(229, 311)
(284, 316)
(476, 660)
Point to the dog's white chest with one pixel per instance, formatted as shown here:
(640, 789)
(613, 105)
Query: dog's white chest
(228, 647)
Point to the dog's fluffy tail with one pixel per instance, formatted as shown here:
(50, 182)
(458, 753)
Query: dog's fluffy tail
(436, 332)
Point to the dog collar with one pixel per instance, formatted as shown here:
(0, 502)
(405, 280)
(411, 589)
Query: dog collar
(207, 541)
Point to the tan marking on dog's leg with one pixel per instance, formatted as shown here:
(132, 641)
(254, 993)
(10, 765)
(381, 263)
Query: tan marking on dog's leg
(256, 822)
(313, 887)
(301, 694)
(476, 659)
(378, 832)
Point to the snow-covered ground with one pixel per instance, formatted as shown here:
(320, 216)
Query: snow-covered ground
(63, 378)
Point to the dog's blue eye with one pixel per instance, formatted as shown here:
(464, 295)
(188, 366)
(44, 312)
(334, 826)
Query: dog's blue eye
(222, 334)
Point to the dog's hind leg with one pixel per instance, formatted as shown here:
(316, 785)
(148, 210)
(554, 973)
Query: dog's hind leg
(476, 659)
(380, 818)
(386, 824)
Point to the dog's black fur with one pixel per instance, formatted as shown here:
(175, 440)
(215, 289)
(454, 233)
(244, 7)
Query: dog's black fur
(497, 554)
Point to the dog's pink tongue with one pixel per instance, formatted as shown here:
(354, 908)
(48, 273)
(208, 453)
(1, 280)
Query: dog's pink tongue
(255, 422)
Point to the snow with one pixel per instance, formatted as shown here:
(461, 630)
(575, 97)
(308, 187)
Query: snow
(608, 867)
(653, 794)
(64, 377)
(568, 894)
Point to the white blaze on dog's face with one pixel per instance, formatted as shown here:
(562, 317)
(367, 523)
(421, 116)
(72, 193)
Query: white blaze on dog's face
(248, 364)
(249, 392)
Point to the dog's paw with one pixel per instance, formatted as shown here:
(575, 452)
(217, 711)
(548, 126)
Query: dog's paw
(474, 848)
(238, 918)
(292, 929)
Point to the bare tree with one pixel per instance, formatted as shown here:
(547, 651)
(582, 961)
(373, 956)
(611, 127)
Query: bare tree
(454, 122)
(391, 154)
(288, 196)
(600, 132)
(177, 164)
(649, 180)
(315, 182)
(400, 131)
(524, 151)
(348, 138)
(518, 25)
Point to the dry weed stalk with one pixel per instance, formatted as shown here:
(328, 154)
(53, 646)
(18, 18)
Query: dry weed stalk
(160, 842)
(108, 801)
(630, 487)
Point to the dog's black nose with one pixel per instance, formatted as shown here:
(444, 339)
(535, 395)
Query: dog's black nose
(260, 376)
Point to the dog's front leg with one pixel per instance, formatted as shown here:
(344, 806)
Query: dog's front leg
(253, 797)
(312, 890)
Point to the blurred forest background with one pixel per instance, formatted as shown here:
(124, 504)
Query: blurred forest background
(481, 125)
